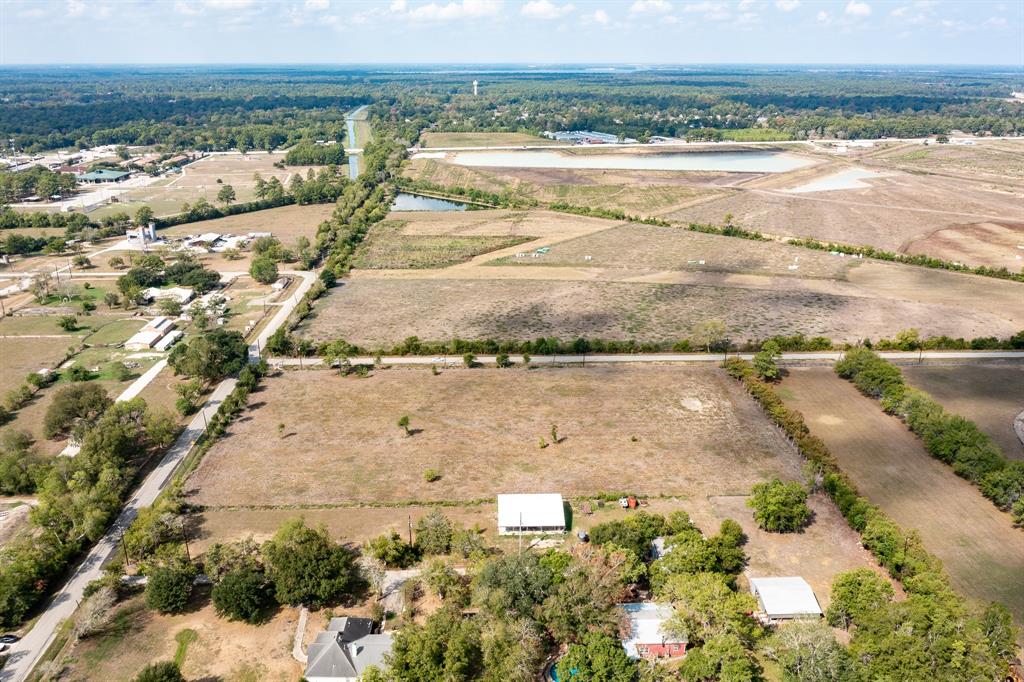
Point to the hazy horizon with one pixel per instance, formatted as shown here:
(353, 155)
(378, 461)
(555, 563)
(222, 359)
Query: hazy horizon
(648, 32)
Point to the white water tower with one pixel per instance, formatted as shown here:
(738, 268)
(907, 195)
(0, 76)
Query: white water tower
(476, 85)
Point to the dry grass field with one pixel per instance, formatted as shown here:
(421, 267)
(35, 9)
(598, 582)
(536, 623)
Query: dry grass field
(696, 435)
(998, 159)
(286, 222)
(387, 247)
(222, 650)
(604, 278)
(21, 355)
(434, 140)
(989, 395)
(639, 192)
(977, 543)
(199, 179)
(380, 312)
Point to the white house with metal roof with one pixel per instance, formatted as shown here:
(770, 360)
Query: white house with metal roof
(785, 598)
(532, 513)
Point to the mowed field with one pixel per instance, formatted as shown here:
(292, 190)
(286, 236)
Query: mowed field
(21, 355)
(286, 222)
(696, 435)
(978, 545)
(434, 140)
(636, 192)
(608, 279)
(200, 179)
(989, 395)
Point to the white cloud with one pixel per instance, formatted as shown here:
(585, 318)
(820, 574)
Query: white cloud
(182, 7)
(397, 6)
(318, 5)
(466, 9)
(75, 8)
(651, 6)
(228, 4)
(787, 5)
(745, 4)
(601, 17)
(995, 21)
(545, 9)
(747, 18)
(715, 11)
(34, 13)
(824, 17)
(855, 8)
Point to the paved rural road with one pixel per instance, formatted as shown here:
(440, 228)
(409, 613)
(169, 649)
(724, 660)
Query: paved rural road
(26, 653)
(452, 360)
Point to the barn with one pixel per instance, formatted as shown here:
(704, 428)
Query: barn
(532, 513)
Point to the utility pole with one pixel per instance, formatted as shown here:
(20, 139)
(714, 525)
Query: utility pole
(410, 529)
(184, 537)
(124, 546)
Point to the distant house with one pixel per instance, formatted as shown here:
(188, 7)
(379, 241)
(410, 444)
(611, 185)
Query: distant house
(345, 650)
(645, 636)
(179, 160)
(785, 598)
(531, 513)
(152, 334)
(103, 175)
(180, 294)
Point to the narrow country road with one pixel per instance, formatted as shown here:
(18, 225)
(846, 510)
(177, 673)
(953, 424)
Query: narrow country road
(623, 358)
(26, 653)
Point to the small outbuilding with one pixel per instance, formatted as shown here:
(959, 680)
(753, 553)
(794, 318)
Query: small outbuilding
(533, 513)
(785, 598)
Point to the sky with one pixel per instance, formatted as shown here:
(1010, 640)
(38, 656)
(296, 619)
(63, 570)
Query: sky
(512, 31)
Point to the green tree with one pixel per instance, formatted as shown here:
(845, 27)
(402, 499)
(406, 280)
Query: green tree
(169, 588)
(599, 658)
(143, 216)
(779, 507)
(766, 361)
(446, 647)
(403, 423)
(307, 567)
(226, 195)
(513, 584)
(706, 606)
(392, 551)
(723, 658)
(263, 270)
(808, 652)
(434, 533)
(710, 334)
(68, 323)
(243, 594)
(81, 402)
(211, 356)
(856, 594)
(165, 671)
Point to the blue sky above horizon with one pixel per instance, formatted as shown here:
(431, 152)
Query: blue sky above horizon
(512, 31)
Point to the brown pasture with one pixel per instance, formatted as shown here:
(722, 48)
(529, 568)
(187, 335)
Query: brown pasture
(989, 395)
(696, 435)
(978, 545)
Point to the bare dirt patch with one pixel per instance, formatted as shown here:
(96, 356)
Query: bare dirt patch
(480, 429)
(223, 650)
(977, 543)
(998, 245)
(989, 395)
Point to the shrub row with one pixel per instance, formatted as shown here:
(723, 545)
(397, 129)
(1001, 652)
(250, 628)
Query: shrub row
(611, 213)
(948, 437)
(203, 210)
(555, 346)
(497, 200)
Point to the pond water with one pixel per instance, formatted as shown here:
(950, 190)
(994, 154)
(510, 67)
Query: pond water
(740, 162)
(847, 179)
(413, 202)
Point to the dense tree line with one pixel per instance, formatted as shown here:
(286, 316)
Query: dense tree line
(948, 437)
(37, 180)
(308, 153)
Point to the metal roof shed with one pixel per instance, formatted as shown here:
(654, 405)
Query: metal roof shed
(785, 598)
(530, 513)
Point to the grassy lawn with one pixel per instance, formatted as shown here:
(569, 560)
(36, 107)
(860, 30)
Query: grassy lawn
(433, 140)
(115, 333)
